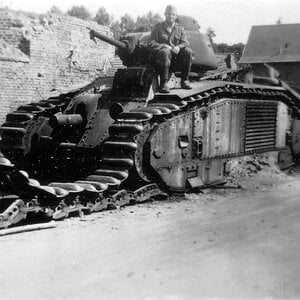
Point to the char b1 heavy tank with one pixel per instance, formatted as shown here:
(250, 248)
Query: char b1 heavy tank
(89, 151)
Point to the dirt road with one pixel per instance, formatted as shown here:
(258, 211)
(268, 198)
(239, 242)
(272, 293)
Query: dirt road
(225, 243)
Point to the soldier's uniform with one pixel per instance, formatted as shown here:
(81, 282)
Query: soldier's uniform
(163, 57)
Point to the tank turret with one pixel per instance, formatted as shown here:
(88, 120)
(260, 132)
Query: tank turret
(132, 48)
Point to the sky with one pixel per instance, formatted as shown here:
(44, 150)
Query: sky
(230, 19)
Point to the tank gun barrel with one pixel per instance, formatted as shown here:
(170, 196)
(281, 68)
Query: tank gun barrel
(108, 39)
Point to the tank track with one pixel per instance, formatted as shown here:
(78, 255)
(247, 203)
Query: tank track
(119, 179)
(13, 131)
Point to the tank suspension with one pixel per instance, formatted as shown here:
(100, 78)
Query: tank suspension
(115, 181)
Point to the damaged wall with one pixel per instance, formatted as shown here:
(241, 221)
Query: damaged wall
(40, 53)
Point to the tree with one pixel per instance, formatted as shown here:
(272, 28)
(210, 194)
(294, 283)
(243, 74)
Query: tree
(142, 24)
(157, 18)
(221, 48)
(103, 17)
(279, 21)
(79, 12)
(127, 23)
(55, 10)
(147, 22)
(211, 35)
(116, 29)
(237, 49)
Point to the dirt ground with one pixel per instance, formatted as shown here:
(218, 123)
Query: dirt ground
(224, 243)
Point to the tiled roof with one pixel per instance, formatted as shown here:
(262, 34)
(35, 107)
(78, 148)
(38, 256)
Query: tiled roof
(273, 43)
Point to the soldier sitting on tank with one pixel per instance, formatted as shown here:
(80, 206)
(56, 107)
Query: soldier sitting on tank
(168, 46)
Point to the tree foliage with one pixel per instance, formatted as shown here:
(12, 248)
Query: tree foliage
(210, 33)
(79, 12)
(127, 23)
(143, 23)
(116, 29)
(103, 17)
(55, 10)
(146, 22)
(237, 49)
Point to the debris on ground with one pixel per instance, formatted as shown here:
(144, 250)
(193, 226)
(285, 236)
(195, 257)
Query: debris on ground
(256, 172)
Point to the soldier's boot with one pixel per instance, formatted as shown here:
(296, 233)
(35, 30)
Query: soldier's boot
(187, 57)
(185, 85)
(164, 88)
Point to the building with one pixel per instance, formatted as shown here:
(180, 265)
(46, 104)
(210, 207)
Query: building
(274, 51)
(43, 53)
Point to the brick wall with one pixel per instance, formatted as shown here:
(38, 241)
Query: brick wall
(39, 53)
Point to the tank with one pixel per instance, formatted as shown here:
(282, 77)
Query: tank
(86, 151)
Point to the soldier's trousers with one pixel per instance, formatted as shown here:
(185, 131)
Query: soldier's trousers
(166, 59)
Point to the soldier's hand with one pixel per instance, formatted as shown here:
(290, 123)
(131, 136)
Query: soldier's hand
(175, 49)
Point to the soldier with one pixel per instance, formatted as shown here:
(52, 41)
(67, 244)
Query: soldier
(168, 45)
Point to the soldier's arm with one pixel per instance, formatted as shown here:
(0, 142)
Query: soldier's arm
(153, 44)
(183, 39)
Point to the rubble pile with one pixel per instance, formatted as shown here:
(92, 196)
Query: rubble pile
(255, 172)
